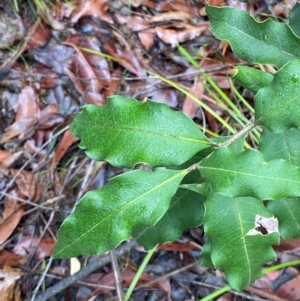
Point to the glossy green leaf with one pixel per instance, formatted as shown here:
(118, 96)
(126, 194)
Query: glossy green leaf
(247, 174)
(287, 211)
(294, 19)
(125, 132)
(285, 145)
(206, 255)
(269, 42)
(104, 218)
(186, 211)
(241, 232)
(252, 79)
(277, 106)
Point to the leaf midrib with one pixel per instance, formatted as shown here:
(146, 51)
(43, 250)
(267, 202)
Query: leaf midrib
(123, 128)
(248, 174)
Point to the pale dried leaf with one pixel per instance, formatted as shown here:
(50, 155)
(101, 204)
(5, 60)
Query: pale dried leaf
(179, 32)
(8, 281)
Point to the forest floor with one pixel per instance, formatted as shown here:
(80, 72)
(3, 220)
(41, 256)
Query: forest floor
(57, 56)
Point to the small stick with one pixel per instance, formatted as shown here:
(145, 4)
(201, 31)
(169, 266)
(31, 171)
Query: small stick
(84, 272)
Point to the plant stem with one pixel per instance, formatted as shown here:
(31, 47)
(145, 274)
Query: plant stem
(138, 274)
(238, 135)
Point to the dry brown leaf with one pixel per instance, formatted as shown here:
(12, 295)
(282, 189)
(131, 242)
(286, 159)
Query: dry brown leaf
(169, 16)
(4, 155)
(178, 5)
(168, 95)
(8, 281)
(40, 36)
(28, 104)
(12, 214)
(176, 246)
(4, 166)
(290, 290)
(179, 32)
(96, 8)
(25, 182)
(28, 244)
(190, 107)
(89, 72)
(11, 260)
(67, 140)
(24, 126)
(145, 33)
(129, 60)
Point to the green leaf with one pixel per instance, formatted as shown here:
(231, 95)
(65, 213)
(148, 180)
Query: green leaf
(294, 19)
(287, 210)
(104, 218)
(202, 188)
(237, 146)
(186, 211)
(252, 79)
(206, 255)
(277, 106)
(241, 232)
(285, 145)
(125, 132)
(268, 42)
(193, 176)
(247, 174)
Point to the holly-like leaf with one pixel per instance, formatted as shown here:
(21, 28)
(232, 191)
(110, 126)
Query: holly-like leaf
(269, 42)
(241, 232)
(252, 79)
(104, 218)
(277, 106)
(247, 174)
(294, 19)
(287, 210)
(125, 132)
(285, 145)
(186, 211)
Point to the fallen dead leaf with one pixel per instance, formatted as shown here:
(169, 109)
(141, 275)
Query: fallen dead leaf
(28, 104)
(8, 279)
(12, 214)
(4, 155)
(28, 244)
(179, 32)
(10, 259)
(25, 182)
(290, 290)
(24, 126)
(190, 107)
(67, 140)
(169, 16)
(96, 8)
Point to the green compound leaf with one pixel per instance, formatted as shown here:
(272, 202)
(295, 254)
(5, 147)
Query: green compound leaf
(285, 145)
(186, 211)
(287, 211)
(247, 174)
(104, 218)
(252, 79)
(277, 106)
(294, 19)
(241, 232)
(269, 42)
(125, 132)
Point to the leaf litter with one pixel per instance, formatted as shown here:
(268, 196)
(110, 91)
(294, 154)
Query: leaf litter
(56, 58)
